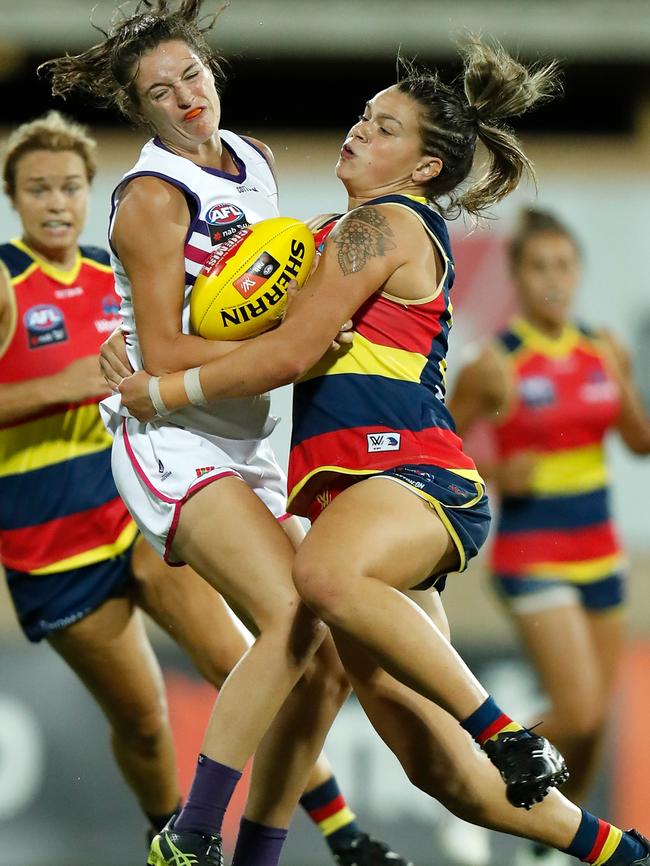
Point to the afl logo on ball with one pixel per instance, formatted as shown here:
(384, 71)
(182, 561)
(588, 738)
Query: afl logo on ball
(45, 325)
(224, 220)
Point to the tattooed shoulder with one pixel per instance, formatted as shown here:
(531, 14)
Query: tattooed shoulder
(361, 236)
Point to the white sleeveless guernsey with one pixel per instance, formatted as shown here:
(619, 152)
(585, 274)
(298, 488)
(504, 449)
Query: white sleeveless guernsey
(220, 204)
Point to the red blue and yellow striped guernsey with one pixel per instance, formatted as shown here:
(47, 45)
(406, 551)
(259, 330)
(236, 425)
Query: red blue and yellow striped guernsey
(380, 404)
(59, 508)
(566, 400)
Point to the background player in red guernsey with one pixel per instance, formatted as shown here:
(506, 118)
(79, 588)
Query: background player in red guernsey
(552, 389)
(66, 538)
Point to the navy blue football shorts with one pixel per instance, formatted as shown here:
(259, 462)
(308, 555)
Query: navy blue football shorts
(47, 603)
(524, 594)
(460, 503)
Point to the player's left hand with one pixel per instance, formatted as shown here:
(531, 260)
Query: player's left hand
(113, 360)
(344, 338)
(135, 396)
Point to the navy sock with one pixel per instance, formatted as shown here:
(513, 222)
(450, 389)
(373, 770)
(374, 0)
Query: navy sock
(208, 799)
(258, 845)
(599, 842)
(488, 721)
(327, 808)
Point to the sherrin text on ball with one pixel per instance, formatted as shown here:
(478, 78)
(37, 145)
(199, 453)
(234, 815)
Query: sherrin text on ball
(241, 290)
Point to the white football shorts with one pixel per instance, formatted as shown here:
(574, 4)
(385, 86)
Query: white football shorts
(157, 467)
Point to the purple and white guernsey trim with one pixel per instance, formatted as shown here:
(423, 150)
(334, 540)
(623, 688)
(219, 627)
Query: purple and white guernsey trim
(220, 204)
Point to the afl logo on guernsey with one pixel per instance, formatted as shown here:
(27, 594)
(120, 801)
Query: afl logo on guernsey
(537, 392)
(224, 220)
(45, 325)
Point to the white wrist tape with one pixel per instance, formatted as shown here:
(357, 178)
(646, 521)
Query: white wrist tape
(193, 388)
(156, 397)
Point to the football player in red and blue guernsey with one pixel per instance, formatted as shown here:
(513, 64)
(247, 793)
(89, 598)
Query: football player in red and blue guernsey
(74, 572)
(395, 501)
(552, 390)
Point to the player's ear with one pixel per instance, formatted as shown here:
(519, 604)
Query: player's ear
(426, 169)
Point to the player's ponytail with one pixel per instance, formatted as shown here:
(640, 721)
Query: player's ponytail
(106, 72)
(498, 87)
(454, 116)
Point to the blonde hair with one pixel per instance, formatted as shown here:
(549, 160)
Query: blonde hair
(52, 132)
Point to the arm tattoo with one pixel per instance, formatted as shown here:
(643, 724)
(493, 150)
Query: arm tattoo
(364, 234)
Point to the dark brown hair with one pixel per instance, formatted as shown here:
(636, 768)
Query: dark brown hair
(107, 71)
(52, 132)
(453, 117)
(533, 222)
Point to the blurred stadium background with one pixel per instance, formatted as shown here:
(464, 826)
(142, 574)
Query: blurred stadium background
(301, 72)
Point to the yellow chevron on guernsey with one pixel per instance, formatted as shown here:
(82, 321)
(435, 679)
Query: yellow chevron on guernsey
(578, 572)
(368, 358)
(571, 471)
(97, 554)
(54, 439)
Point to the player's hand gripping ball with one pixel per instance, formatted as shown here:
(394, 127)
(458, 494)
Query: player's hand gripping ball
(241, 290)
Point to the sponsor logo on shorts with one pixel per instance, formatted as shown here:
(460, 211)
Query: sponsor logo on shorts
(203, 470)
(45, 325)
(383, 442)
(224, 220)
(161, 470)
(255, 277)
(324, 498)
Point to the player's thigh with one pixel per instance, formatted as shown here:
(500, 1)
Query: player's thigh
(561, 648)
(191, 611)
(379, 529)
(111, 654)
(231, 538)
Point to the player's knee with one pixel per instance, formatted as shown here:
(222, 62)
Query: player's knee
(319, 586)
(144, 729)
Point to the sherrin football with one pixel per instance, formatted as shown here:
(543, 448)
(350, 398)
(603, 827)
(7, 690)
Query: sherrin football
(241, 290)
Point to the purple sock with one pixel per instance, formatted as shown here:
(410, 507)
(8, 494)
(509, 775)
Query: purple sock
(208, 798)
(258, 845)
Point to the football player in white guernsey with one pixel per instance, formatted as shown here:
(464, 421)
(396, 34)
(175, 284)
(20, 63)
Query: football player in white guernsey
(204, 485)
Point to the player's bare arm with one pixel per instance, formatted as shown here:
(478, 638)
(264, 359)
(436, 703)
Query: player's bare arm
(149, 236)
(481, 390)
(329, 298)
